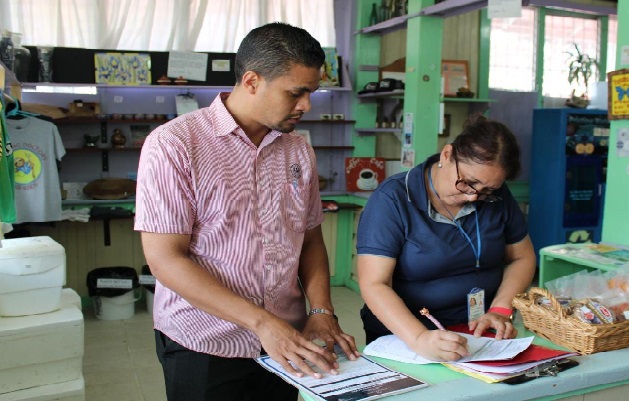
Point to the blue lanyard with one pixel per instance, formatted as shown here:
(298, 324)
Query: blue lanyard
(476, 250)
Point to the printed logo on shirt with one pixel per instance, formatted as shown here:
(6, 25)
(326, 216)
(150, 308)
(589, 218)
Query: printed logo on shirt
(28, 166)
(295, 171)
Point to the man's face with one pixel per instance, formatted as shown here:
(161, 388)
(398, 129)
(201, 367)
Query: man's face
(283, 101)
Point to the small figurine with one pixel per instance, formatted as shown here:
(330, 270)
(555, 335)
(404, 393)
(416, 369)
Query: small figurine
(118, 139)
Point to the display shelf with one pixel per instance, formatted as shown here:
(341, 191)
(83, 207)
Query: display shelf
(90, 120)
(466, 100)
(330, 147)
(97, 149)
(372, 131)
(328, 121)
(390, 25)
(379, 95)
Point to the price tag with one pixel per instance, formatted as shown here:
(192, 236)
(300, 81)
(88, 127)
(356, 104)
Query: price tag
(114, 283)
(147, 279)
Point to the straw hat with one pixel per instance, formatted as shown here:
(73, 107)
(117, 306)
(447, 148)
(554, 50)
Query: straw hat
(110, 188)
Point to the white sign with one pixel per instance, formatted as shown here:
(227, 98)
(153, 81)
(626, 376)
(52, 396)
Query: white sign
(504, 8)
(189, 65)
(624, 55)
(114, 283)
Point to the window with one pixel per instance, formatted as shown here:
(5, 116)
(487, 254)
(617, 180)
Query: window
(612, 36)
(562, 33)
(512, 53)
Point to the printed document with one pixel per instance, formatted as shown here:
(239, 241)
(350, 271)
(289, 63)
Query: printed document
(480, 349)
(359, 380)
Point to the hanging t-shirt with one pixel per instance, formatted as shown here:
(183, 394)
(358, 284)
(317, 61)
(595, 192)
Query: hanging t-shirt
(36, 146)
(7, 201)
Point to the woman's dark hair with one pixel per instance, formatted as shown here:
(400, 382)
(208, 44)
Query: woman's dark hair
(272, 49)
(486, 142)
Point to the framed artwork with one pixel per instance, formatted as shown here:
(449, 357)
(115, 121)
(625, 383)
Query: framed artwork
(330, 74)
(122, 68)
(455, 74)
(618, 94)
(364, 173)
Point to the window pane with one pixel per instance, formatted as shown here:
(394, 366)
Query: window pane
(612, 33)
(562, 33)
(512, 52)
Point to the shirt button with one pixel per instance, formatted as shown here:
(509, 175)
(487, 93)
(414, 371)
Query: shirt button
(268, 266)
(264, 210)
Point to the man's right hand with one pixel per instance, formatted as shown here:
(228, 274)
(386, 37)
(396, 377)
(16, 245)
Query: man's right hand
(284, 344)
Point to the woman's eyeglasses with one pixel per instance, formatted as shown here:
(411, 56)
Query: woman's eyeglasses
(468, 189)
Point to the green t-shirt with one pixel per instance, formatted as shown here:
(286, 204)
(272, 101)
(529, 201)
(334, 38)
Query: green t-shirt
(7, 184)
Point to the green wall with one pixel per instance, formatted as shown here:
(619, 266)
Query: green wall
(616, 215)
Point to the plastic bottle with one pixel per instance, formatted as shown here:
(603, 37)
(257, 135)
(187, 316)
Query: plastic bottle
(7, 54)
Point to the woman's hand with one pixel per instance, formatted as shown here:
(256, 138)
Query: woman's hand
(440, 346)
(499, 322)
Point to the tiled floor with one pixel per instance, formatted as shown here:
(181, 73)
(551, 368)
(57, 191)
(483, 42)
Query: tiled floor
(120, 362)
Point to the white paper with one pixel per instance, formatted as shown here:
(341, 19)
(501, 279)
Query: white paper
(624, 55)
(220, 65)
(188, 65)
(504, 8)
(186, 104)
(480, 349)
(359, 380)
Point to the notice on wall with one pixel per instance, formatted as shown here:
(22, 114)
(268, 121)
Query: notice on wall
(504, 8)
(189, 65)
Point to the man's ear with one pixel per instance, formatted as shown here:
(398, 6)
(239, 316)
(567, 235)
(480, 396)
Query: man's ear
(250, 81)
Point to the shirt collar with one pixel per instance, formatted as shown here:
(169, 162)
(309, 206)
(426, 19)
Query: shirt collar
(224, 123)
(417, 194)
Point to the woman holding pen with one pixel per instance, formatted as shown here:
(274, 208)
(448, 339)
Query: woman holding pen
(447, 236)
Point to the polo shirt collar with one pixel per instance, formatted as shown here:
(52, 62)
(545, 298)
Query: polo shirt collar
(416, 193)
(224, 123)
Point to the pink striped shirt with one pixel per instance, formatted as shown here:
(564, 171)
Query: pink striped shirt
(246, 209)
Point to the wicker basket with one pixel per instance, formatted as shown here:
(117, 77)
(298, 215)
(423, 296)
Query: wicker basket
(552, 323)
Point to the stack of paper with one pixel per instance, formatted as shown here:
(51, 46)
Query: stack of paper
(490, 360)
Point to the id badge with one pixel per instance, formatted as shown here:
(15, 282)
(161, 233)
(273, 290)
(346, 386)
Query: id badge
(475, 304)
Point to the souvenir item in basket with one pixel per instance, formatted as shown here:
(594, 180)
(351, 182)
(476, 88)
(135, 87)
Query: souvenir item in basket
(555, 324)
(594, 313)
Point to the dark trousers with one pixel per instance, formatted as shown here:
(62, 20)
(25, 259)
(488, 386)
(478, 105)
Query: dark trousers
(194, 376)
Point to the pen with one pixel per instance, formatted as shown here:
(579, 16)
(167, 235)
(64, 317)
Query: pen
(425, 312)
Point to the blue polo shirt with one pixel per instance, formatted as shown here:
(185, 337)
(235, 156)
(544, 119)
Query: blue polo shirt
(435, 264)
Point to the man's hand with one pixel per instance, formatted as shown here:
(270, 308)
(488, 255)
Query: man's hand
(326, 328)
(284, 344)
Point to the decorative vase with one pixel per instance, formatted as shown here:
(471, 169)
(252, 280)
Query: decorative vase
(22, 58)
(118, 139)
(7, 52)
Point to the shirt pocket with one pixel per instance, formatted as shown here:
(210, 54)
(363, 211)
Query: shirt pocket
(295, 207)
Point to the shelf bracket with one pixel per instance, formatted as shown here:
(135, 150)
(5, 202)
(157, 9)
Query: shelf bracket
(105, 161)
(107, 232)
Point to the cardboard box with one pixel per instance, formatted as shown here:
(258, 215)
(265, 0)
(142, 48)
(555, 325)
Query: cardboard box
(41, 350)
(32, 274)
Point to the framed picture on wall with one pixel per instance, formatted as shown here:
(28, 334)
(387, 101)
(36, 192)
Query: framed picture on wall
(618, 94)
(455, 74)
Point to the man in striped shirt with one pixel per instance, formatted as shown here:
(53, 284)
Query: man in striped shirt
(229, 209)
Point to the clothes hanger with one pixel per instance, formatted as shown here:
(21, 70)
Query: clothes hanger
(16, 112)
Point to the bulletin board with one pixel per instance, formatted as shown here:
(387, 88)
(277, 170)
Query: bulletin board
(618, 93)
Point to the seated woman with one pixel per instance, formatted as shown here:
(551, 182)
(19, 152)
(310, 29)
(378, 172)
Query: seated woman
(447, 236)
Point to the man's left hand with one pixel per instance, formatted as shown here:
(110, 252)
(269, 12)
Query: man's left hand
(326, 328)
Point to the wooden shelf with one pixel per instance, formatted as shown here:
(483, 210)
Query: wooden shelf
(466, 100)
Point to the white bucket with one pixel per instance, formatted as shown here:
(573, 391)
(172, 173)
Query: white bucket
(115, 308)
(149, 301)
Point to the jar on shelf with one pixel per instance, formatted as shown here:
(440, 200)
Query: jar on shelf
(7, 52)
(22, 58)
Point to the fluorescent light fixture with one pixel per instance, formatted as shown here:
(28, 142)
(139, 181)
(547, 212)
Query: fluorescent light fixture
(79, 90)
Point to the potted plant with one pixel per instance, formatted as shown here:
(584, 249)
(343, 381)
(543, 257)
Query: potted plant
(581, 67)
